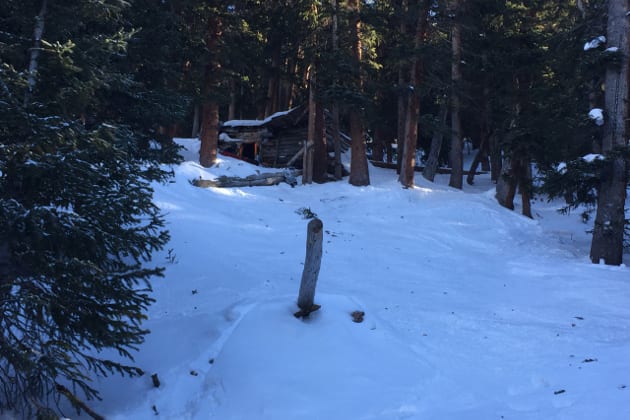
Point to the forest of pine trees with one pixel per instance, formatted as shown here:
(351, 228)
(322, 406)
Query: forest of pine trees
(92, 93)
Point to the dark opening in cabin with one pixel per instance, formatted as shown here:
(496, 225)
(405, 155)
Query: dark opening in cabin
(249, 151)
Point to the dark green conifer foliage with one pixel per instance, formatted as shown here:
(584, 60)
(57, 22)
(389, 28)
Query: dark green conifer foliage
(77, 222)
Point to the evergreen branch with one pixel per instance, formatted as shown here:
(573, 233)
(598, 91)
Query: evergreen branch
(76, 402)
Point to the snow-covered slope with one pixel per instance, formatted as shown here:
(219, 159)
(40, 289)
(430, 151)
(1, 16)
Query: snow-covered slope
(471, 311)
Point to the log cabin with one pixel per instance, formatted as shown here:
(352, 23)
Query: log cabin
(277, 141)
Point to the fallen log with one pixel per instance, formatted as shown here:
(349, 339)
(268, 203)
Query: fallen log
(256, 180)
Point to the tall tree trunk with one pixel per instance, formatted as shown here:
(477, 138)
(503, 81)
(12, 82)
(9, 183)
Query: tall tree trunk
(196, 117)
(209, 134)
(506, 185)
(284, 90)
(482, 154)
(456, 158)
(336, 141)
(484, 134)
(408, 161)
(274, 80)
(232, 106)
(517, 157)
(431, 165)
(495, 157)
(486, 131)
(293, 87)
(525, 187)
(307, 158)
(38, 32)
(608, 231)
(515, 172)
(335, 106)
(359, 173)
(210, 106)
(402, 90)
(378, 147)
(320, 149)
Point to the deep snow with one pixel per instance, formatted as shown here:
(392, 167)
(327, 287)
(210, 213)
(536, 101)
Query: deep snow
(472, 311)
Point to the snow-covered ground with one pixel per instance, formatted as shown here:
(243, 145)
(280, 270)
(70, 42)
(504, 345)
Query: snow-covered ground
(471, 310)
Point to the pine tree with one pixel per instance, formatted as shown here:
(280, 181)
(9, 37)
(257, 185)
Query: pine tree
(77, 222)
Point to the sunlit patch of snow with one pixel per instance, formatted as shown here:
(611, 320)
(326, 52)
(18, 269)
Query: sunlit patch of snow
(232, 192)
(472, 311)
(226, 138)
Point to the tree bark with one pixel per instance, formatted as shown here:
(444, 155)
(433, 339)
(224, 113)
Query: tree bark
(506, 185)
(335, 106)
(318, 156)
(33, 65)
(274, 80)
(616, 95)
(378, 147)
(312, 264)
(307, 158)
(456, 158)
(608, 231)
(485, 130)
(210, 106)
(495, 157)
(470, 179)
(408, 161)
(232, 105)
(336, 141)
(293, 86)
(525, 186)
(209, 134)
(431, 165)
(195, 127)
(480, 158)
(402, 91)
(515, 172)
(359, 173)
(320, 149)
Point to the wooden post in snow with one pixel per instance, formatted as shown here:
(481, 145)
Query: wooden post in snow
(312, 262)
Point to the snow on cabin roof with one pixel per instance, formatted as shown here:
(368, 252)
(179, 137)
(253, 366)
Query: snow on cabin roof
(257, 123)
(227, 139)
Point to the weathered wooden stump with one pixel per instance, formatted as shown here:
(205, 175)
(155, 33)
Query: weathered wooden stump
(312, 263)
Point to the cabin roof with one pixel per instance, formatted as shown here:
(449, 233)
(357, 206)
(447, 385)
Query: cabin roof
(277, 120)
